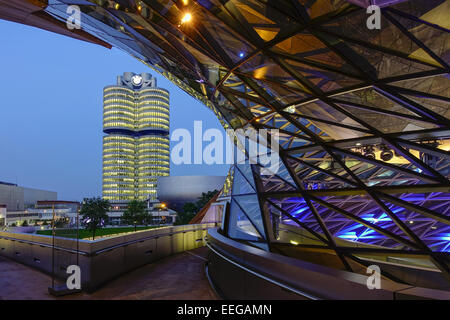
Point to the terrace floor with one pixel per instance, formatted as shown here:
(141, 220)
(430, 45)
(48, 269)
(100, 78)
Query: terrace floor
(179, 277)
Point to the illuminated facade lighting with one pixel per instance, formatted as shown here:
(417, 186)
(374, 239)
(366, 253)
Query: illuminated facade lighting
(136, 148)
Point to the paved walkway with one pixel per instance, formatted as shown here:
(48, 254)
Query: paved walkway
(180, 277)
(19, 282)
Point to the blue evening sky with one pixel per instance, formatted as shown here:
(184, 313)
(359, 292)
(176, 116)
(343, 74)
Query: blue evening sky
(51, 111)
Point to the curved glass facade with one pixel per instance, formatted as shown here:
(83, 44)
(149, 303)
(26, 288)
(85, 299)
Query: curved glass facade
(363, 114)
(136, 119)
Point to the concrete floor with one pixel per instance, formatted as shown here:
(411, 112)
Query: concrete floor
(180, 277)
(19, 282)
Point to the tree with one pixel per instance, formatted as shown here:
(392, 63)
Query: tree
(183, 218)
(205, 198)
(93, 213)
(135, 214)
(25, 223)
(187, 214)
(60, 223)
(190, 209)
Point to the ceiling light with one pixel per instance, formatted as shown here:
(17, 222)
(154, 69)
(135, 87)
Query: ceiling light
(386, 153)
(186, 18)
(369, 152)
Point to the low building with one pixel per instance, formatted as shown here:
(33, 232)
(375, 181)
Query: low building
(42, 211)
(61, 209)
(17, 218)
(159, 214)
(17, 198)
(2, 214)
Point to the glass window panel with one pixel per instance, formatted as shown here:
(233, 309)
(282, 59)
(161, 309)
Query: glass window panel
(250, 204)
(240, 226)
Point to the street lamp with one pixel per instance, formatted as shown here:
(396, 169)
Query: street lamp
(162, 207)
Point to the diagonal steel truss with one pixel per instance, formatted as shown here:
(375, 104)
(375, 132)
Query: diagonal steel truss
(331, 87)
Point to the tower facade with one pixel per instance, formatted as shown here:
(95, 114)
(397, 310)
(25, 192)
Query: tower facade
(136, 147)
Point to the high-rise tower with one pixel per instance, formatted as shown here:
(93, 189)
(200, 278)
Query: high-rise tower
(136, 145)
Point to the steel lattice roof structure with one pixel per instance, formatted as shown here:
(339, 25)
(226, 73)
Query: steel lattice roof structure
(334, 89)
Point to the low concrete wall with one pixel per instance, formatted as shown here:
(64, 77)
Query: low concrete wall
(239, 271)
(104, 259)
